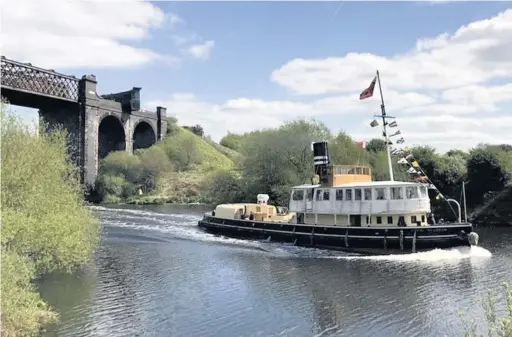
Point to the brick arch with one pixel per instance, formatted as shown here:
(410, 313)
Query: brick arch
(144, 135)
(111, 135)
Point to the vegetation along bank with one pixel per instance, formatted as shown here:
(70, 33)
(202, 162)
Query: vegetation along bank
(45, 224)
(187, 167)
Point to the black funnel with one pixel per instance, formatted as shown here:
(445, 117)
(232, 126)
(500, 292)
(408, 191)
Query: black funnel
(322, 161)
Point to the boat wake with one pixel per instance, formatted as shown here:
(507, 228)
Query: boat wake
(184, 226)
(452, 254)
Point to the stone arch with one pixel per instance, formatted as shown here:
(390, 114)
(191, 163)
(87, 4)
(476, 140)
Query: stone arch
(111, 136)
(143, 135)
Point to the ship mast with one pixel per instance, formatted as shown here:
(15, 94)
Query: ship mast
(385, 133)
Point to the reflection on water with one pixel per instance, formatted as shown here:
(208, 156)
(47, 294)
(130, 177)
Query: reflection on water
(157, 274)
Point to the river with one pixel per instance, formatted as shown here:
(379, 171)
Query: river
(156, 274)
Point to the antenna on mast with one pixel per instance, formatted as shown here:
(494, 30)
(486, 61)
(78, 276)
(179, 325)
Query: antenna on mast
(384, 130)
(368, 92)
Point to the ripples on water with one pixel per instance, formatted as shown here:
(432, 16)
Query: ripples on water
(157, 274)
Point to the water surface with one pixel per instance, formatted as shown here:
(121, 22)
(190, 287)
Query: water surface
(157, 274)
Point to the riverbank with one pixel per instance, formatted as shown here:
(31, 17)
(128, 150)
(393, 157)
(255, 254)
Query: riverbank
(190, 168)
(45, 224)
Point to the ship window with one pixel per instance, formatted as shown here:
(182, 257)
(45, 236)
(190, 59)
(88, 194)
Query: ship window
(368, 220)
(298, 195)
(348, 194)
(396, 193)
(339, 194)
(318, 194)
(390, 220)
(380, 193)
(367, 194)
(423, 191)
(258, 209)
(327, 194)
(413, 219)
(366, 171)
(358, 170)
(412, 192)
(379, 220)
(358, 194)
(309, 195)
(422, 218)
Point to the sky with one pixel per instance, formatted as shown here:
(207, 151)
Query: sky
(445, 67)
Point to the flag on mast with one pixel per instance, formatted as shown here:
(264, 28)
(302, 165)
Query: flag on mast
(368, 92)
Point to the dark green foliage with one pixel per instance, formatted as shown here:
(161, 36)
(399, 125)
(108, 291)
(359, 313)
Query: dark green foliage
(489, 169)
(226, 186)
(376, 145)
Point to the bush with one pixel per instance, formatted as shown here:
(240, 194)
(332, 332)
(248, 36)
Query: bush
(172, 126)
(196, 129)
(232, 141)
(45, 225)
(224, 187)
(182, 150)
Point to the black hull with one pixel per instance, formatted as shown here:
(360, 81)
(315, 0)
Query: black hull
(362, 240)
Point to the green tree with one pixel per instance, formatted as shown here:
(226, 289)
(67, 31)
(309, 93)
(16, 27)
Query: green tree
(45, 225)
(274, 160)
(376, 145)
(489, 169)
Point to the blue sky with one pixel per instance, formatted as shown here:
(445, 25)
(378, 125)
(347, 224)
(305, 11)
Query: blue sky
(252, 68)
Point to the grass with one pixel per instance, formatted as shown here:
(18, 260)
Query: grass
(176, 170)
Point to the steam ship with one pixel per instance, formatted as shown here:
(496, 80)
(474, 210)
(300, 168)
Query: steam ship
(344, 211)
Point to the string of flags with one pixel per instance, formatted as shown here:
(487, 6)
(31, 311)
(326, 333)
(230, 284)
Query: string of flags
(414, 168)
(418, 174)
(408, 159)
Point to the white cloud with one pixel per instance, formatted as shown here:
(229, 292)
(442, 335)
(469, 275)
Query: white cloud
(201, 51)
(438, 91)
(81, 34)
(475, 53)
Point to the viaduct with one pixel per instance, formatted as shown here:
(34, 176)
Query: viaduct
(96, 124)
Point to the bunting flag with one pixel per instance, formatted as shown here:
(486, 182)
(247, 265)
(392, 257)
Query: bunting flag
(362, 145)
(393, 124)
(374, 123)
(395, 134)
(411, 170)
(415, 164)
(402, 161)
(400, 141)
(368, 92)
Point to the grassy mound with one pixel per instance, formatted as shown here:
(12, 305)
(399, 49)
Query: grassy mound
(176, 170)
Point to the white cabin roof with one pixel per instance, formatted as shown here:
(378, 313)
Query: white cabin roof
(383, 183)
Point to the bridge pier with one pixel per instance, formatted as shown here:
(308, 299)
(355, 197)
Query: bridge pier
(66, 117)
(111, 125)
